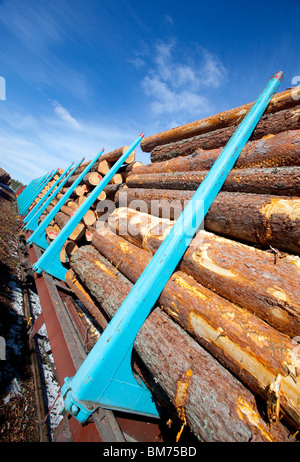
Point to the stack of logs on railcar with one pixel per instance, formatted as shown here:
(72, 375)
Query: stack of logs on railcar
(221, 347)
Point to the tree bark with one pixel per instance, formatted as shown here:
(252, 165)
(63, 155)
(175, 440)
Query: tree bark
(279, 181)
(196, 384)
(276, 151)
(273, 124)
(279, 102)
(256, 358)
(256, 218)
(4, 176)
(264, 283)
(115, 155)
(68, 248)
(61, 219)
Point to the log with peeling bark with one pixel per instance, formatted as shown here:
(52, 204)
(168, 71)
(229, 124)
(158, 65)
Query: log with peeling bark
(256, 358)
(274, 124)
(275, 151)
(263, 220)
(279, 181)
(280, 102)
(265, 283)
(215, 405)
(61, 219)
(85, 298)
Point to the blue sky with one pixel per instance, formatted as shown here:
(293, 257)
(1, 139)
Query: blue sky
(83, 75)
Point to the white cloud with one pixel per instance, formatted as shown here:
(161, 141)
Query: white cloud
(178, 82)
(46, 142)
(64, 114)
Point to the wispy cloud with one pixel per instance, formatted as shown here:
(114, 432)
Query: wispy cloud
(31, 145)
(178, 82)
(65, 115)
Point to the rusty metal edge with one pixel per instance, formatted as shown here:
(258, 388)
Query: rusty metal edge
(68, 351)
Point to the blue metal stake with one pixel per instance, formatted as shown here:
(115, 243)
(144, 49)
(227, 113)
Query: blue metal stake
(105, 377)
(38, 206)
(38, 237)
(25, 191)
(37, 191)
(50, 261)
(28, 191)
(33, 223)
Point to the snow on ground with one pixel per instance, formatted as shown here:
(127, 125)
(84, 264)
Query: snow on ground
(54, 400)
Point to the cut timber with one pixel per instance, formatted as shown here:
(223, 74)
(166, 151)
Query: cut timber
(92, 179)
(68, 248)
(260, 219)
(251, 349)
(89, 232)
(80, 292)
(264, 283)
(72, 204)
(117, 179)
(52, 231)
(115, 155)
(279, 181)
(279, 150)
(274, 124)
(81, 190)
(66, 209)
(89, 218)
(104, 167)
(215, 405)
(62, 219)
(279, 102)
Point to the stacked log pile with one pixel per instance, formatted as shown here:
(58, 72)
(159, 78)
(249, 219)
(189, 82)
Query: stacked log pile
(220, 348)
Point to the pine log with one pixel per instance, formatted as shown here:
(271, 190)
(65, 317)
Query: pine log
(215, 405)
(67, 210)
(92, 178)
(67, 250)
(255, 352)
(279, 181)
(279, 102)
(72, 204)
(262, 282)
(89, 232)
(52, 231)
(117, 179)
(80, 292)
(104, 167)
(61, 219)
(274, 124)
(115, 155)
(279, 150)
(89, 218)
(81, 190)
(82, 167)
(111, 190)
(256, 218)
